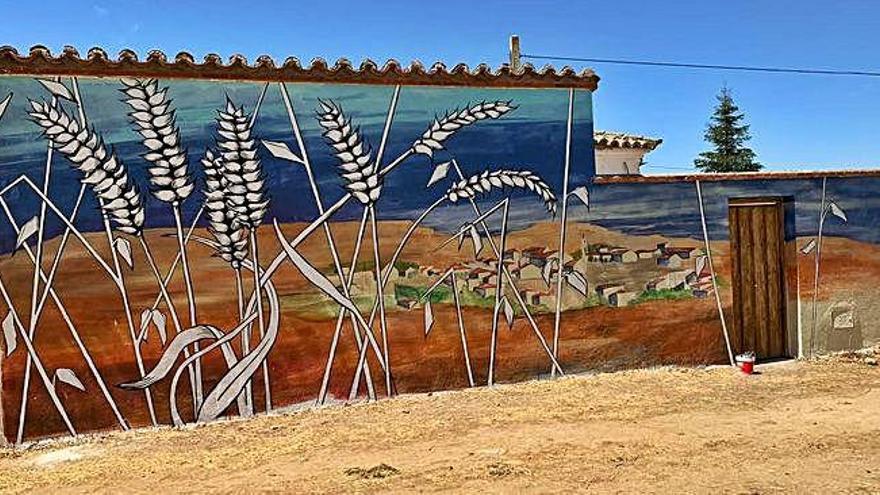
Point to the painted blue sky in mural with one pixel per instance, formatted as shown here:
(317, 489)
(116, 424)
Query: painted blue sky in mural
(798, 122)
(530, 137)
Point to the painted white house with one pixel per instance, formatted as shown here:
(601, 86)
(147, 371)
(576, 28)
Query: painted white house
(621, 154)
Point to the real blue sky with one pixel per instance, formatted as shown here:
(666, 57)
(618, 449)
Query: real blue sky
(798, 122)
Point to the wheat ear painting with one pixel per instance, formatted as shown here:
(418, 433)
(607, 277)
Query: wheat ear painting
(235, 201)
(282, 151)
(170, 180)
(119, 199)
(361, 175)
(246, 197)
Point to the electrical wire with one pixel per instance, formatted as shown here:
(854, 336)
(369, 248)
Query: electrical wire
(683, 65)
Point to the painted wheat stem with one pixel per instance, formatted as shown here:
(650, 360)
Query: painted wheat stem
(356, 164)
(469, 188)
(103, 171)
(499, 292)
(364, 182)
(331, 244)
(486, 181)
(442, 128)
(245, 196)
(563, 223)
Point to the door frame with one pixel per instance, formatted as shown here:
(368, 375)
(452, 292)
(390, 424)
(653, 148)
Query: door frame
(787, 266)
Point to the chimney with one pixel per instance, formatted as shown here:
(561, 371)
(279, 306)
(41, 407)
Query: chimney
(515, 60)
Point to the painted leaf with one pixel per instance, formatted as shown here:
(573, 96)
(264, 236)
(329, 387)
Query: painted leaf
(837, 212)
(229, 388)
(547, 270)
(701, 264)
(809, 246)
(146, 315)
(123, 247)
(460, 241)
(228, 355)
(577, 282)
(57, 89)
(9, 335)
(440, 171)
(4, 104)
(429, 317)
(281, 150)
(582, 194)
(66, 375)
(508, 311)
(477, 240)
(27, 230)
(169, 357)
(317, 278)
(160, 321)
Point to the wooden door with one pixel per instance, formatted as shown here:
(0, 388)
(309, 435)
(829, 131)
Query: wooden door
(757, 253)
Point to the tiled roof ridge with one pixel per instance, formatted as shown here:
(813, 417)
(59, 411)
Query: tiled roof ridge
(40, 61)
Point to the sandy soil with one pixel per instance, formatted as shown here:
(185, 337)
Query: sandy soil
(796, 427)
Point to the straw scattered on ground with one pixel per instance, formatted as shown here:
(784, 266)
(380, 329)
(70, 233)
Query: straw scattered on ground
(796, 427)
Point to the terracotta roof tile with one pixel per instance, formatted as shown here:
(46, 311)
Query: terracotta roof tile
(609, 139)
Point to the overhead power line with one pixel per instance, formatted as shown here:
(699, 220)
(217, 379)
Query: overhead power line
(682, 65)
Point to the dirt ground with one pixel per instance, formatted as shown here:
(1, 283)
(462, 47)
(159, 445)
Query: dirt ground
(805, 427)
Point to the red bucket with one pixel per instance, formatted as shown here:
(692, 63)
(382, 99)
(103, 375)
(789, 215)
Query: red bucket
(746, 362)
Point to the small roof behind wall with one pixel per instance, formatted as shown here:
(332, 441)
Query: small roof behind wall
(610, 140)
(40, 61)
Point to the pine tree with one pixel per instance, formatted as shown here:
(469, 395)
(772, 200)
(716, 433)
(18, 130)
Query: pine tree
(728, 135)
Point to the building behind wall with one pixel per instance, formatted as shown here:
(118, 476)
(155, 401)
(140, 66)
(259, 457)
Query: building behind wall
(618, 153)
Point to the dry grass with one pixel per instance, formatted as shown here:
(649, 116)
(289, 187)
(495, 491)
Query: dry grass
(802, 427)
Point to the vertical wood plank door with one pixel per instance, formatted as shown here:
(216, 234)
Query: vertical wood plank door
(757, 241)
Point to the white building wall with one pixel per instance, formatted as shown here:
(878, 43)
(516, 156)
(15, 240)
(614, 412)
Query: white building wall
(620, 161)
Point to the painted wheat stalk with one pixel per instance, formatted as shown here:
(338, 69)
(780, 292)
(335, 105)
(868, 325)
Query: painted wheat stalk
(170, 180)
(244, 193)
(231, 239)
(443, 128)
(118, 197)
(507, 275)
(479, 184)
(363, 180)
(154, 120)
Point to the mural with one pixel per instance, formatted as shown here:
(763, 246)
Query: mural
(177, 251)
